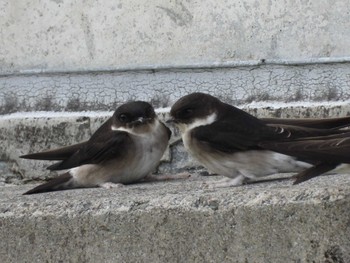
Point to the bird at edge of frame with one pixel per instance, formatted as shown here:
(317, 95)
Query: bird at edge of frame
(230, 142)
(124, 150)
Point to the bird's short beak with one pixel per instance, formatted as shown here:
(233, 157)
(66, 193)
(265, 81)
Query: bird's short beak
(170, 121)
(142, 120)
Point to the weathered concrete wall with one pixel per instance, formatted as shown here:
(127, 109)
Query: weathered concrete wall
(93, 55)
(103, 91)
(62, 35)
(174, 221)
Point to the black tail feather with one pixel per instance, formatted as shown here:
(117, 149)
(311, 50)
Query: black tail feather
(330, 123)
(313, 171)
(55, 154)
(62, 182)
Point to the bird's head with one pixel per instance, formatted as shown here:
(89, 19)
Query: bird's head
(135, 116)
(194, 110)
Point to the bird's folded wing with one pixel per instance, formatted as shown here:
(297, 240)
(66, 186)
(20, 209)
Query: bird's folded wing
(96, 152)
(55, 154)
(329, 123)
(225, 137)
(313, 171)
(330, 149)
(228, 136)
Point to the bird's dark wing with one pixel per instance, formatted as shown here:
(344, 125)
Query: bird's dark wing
(94, 152)
(67, 151)
(328, 149)
(55, 154)
(61, 182)
(292, 132)
(313, 171)
(229, 136)
(329, 123)
(226, 137)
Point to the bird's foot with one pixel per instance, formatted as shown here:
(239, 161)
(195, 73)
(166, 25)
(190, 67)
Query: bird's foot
(110, 185)
(225, 182)
(165, 177)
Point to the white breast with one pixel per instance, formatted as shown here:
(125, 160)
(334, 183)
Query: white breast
(186, 131)
(150, 148)
(249, 163)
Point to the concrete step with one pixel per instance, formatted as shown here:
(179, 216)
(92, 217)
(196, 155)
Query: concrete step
(179, 221)
(23, 133)
(174, 221)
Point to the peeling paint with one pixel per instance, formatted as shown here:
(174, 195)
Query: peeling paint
(104, 91)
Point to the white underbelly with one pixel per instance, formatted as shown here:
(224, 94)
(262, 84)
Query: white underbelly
(118, 171)
(143, 165)
(254, 163)
(138, 163)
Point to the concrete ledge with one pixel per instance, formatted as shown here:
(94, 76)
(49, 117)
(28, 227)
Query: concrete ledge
(32, 132)
(177, 221)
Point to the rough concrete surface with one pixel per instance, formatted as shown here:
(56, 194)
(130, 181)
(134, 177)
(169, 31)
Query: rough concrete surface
(85, 35)
(174, 221)
(91, 55)
(33, 132)
(178, 221)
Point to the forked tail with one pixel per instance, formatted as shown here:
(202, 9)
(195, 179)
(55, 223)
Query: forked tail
(62, 182)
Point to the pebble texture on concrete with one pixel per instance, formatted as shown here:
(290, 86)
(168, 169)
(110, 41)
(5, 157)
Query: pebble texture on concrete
(178, 221)
(174, 221)
(92, 55)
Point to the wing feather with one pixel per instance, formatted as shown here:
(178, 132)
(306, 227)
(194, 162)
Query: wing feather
(227, 136)
(329, 149)
(329, 123)
(55, 154)
(94, 152)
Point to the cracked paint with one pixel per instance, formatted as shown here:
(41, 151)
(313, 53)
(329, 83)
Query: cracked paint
(106, 90)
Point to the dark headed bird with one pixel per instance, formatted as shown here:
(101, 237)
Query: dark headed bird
(233, 143)
(125, 149)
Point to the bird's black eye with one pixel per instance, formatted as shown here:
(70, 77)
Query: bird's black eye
(186, 113)
(149, 112)
(123, 118)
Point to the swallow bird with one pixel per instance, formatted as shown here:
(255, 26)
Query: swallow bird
(125, 149)
(233, 143)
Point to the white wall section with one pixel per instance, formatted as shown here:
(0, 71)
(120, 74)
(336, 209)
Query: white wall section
(76, 35)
